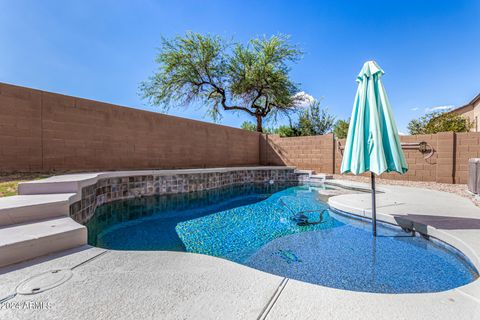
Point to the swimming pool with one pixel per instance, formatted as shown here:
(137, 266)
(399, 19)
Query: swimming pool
(253, 224)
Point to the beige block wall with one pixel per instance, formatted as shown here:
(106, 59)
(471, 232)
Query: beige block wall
(313, 153)
(467, 146)
(448, 164)
(420, 169)
(43, 131)
(20, 129)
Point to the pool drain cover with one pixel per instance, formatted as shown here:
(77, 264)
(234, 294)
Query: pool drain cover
(44, 281)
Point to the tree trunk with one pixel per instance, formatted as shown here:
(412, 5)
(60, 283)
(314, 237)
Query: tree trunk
(259, 123)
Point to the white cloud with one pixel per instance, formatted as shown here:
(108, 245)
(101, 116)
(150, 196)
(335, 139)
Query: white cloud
(303, 99)
(439, 108)
(414, 109)
(402, 133)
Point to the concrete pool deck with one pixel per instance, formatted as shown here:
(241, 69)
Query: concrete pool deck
(110, 284)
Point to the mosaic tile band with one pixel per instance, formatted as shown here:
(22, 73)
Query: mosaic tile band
(119, 188)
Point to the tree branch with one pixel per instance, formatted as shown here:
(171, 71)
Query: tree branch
(223, 101)
(238, 108)
(259, 94)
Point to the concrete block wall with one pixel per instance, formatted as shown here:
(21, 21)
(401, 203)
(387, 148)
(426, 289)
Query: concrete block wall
(448, 164)
(20, 129)
(43, 131)
(467, 147)
(420, 169)
(312, 153)
(445, 157)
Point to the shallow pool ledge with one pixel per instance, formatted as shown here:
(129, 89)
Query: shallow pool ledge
(445, 216)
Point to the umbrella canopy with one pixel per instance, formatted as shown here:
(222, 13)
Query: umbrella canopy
(372, 142)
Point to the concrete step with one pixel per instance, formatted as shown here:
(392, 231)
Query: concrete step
(299, 171)
(70, 183)
(21, 209)
(25, 241)
(321, 176)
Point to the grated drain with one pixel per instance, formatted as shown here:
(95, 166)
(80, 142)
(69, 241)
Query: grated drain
(44, 281)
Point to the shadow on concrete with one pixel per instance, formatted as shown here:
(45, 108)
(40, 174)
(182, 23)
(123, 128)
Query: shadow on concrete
(420, 222)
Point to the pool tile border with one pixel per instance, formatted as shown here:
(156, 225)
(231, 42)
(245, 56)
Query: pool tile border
(110, 189)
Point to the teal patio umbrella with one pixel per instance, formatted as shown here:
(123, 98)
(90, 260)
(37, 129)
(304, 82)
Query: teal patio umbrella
(372, 142)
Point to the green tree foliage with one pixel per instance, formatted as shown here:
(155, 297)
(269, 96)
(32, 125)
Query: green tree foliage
(312, 121)
(435, 122)
(252, 78)
(340, 129)
(417, 126)
(283, 130)
(315, 120)
(287, 131)
(249, 126)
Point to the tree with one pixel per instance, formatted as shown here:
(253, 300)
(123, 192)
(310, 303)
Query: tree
(435, 122)
(249, 126)
(417, 126)
(287, 131)
(448, 122)
(252, 78)
(312, 121)
(340, 129)
(315, 120)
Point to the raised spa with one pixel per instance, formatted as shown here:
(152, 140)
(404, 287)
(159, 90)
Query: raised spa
(286, 230)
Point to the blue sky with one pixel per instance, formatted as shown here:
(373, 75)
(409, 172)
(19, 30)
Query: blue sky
(102, 50)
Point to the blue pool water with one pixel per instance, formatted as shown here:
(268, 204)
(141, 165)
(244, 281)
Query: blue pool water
(252, 224)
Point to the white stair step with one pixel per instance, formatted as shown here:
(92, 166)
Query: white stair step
(26, 241)
(321, 176)
(309, 172)
(70, 183)
(21, 209)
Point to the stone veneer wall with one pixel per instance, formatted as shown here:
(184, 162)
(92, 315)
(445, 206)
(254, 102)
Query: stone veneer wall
(118, 188)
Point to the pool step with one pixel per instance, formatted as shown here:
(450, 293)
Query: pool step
(320, 177)
(71, 183)
(22, 209)
(25, 241)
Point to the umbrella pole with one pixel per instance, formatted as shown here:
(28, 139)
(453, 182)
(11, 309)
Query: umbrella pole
(374, 206)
